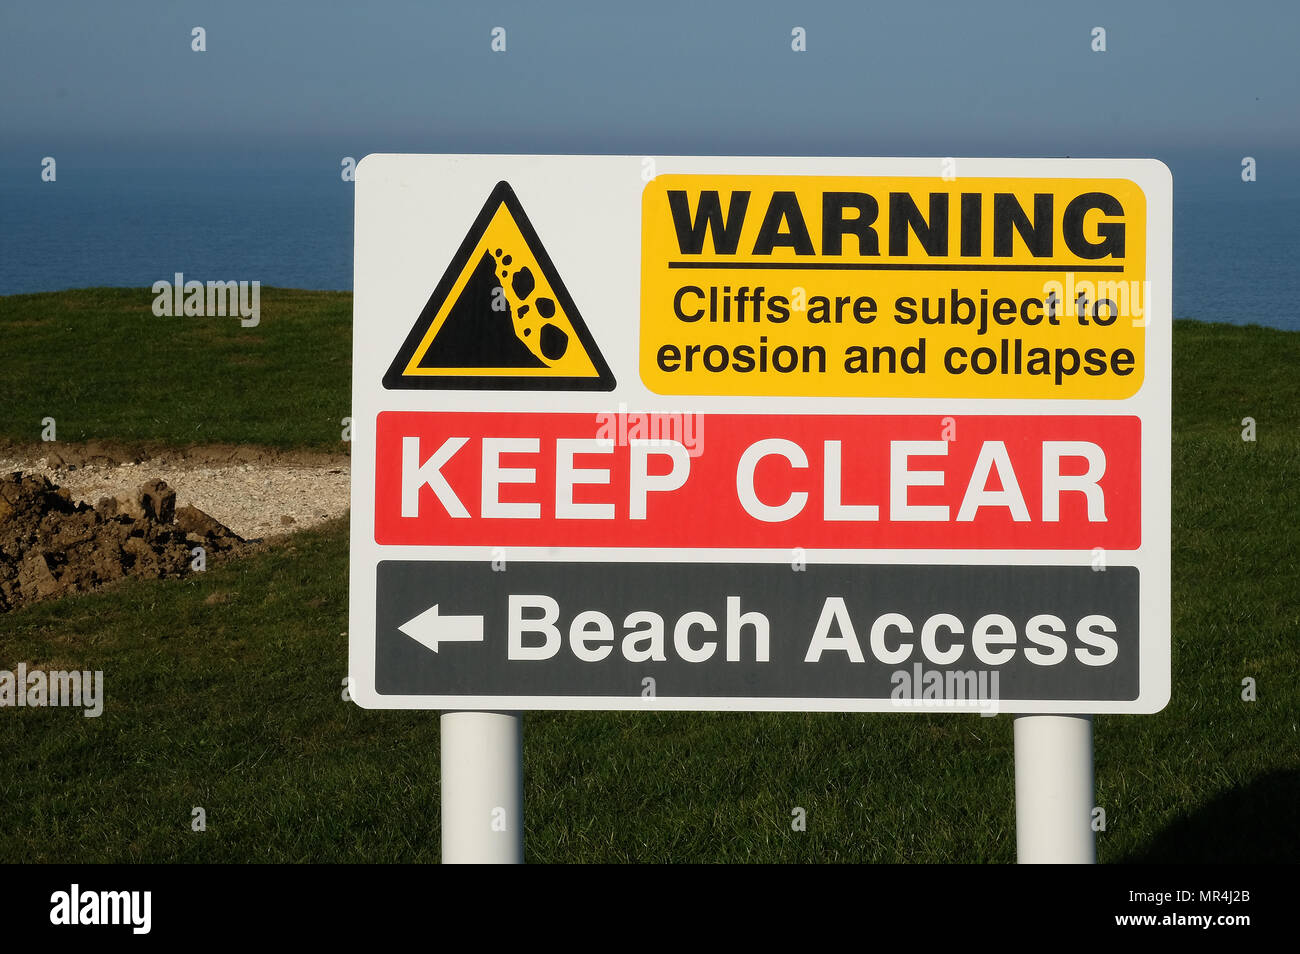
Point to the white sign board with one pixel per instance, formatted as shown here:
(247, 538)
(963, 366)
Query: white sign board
(761, 434)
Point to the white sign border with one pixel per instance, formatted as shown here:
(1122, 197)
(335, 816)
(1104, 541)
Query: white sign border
(399, 258)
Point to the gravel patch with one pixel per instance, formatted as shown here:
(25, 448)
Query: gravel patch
(258, 499)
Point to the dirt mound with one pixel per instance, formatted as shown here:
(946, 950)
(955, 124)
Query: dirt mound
(51, 546)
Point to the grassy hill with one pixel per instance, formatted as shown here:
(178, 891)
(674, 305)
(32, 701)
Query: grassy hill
(100, 363)
(225, 689)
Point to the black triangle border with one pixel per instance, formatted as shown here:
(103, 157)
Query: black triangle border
(394, 380)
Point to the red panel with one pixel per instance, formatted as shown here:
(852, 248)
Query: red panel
(706, 511)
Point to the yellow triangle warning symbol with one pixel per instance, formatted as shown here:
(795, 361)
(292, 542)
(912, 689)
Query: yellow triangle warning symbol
(500, 318)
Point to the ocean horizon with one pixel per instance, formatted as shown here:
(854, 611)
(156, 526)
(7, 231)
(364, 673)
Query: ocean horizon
(1236, 244)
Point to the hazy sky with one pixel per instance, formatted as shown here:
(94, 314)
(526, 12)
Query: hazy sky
(941, 78)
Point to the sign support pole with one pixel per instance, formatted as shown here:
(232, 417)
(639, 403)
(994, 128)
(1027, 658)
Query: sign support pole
(482, 788)
(1054, 790)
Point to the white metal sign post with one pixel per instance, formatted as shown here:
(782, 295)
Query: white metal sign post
(710, 433)
(482, 787)
(1054, 789)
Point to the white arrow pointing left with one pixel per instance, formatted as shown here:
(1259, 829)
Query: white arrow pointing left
(429, 628)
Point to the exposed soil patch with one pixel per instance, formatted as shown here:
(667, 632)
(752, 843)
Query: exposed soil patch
(74, 517)
(51, 546)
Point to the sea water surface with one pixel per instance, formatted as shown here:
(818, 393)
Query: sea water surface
(1236, 246)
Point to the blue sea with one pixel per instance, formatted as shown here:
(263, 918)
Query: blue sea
(1236, 245)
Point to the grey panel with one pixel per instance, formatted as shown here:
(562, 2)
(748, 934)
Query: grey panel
(791, 600)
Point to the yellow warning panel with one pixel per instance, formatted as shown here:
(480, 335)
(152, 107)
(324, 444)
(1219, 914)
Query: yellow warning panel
(893, 287)
(501, 317)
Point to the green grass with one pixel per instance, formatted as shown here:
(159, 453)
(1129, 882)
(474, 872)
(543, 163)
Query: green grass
(224, 692)
(104, 366)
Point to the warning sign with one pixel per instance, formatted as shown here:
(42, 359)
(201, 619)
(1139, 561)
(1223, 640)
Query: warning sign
(501, 317)
(893, 287)
(861, 434)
